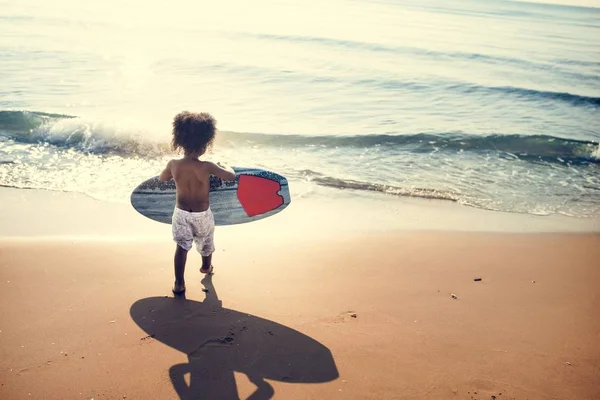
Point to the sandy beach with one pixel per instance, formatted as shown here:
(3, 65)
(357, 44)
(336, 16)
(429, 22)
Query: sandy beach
(362, 315)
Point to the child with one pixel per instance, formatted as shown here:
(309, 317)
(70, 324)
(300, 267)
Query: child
(193, 220)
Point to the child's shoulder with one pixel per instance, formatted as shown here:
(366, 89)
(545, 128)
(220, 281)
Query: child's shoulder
(206, 164)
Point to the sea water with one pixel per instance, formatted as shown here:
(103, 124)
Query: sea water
(493, 104)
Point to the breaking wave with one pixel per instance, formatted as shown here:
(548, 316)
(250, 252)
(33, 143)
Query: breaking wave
(102, 138)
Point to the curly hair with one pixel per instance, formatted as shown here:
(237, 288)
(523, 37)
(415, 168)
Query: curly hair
(193, 132)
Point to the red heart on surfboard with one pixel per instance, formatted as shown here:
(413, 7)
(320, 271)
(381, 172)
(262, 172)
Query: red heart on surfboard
(258, 195)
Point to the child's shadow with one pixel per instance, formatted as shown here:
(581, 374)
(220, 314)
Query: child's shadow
(219, 341)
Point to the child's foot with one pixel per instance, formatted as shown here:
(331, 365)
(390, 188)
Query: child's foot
(178, 288)
(209, 270)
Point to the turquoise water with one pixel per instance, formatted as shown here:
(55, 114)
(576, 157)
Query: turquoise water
(491, 104)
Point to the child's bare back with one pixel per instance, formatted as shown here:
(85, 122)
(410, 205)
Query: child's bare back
(192, 179)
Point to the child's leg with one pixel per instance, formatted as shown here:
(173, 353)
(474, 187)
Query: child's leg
(180, 259)
(205, 229)
(206, 264)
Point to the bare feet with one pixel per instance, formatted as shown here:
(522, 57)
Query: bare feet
(208, 270)
(178, 288)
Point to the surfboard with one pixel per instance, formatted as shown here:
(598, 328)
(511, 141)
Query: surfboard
(254, 194)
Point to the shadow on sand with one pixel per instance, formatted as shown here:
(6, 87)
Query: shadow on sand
(219, 341)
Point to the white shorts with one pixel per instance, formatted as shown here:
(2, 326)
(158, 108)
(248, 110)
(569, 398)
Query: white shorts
(189, 227)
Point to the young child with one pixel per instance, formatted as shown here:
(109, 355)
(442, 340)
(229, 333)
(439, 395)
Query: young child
(193, 220)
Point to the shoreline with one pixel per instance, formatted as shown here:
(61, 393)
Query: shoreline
(32, 213)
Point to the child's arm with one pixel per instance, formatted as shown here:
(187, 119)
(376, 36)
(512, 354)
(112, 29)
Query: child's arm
(166, 174)
(226, 173)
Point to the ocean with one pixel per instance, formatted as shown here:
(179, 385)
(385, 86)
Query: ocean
(492, 104)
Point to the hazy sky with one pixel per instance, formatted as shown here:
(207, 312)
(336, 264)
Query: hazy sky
(586, 3)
